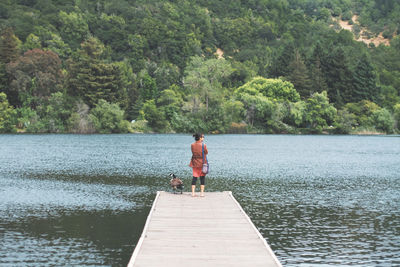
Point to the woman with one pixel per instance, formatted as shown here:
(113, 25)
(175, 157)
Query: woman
(197, 163)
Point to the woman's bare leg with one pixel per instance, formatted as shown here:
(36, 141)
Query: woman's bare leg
(193, 190)
(202, 190)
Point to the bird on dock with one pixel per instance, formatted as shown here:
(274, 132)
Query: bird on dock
(176, 183)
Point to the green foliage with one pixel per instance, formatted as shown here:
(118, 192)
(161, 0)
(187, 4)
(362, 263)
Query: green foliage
(258, 108)
(388, 97)
(155, 61)
(73, 27)
(92, 79)
(49, 40)
(345, 122)
(32, 42)
(319, 112)
(298, 75)
(364, 81)
(363, 111)
(55, 113)
(155, 117)
(396, 115)
(25, 118)
(79, 121)
(383, 120)
(274, 89)
(9, 46)
(7, 115)
(234, 110)
(35, 76)
(296, 113)
(147, 87)
(108, 118)
(140, 126)
(203, 80)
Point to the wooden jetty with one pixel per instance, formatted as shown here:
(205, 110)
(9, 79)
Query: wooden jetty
(182, 230)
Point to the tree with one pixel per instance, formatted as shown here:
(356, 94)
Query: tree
(147, 87)
(50, 40)
(396, 115)
(298, 75)
(137, 44)
(79, 121)
(383, 120)
(7, 115)
(154, 116)
(365, 87)
(203, 80)
(9, 46)
(9, 51)
(35, 76)
(73, 28)
(32, 42)
(318, 83)
(319, 112)
(111, 31)
(258, 108)
(364, 111)
(274, 89)
(56, 112)
(26, 118)
(108, 118)
(345, 121)
(234, 110)
(338, 76)
(281, 63)
(91, 78)
(170, 102)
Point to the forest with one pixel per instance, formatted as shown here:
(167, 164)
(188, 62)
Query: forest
(184, 66)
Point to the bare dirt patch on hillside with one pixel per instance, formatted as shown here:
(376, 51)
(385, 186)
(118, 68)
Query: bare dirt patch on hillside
(363, 35)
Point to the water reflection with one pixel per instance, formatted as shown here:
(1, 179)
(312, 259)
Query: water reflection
(83, 200)
(72, 238)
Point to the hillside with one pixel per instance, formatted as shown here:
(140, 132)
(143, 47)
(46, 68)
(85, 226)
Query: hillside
(262, 66)
(364, 35)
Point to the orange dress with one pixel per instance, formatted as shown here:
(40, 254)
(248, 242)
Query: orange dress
(197, 159)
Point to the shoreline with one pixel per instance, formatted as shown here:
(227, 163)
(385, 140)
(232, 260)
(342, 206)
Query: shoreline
(359, 133)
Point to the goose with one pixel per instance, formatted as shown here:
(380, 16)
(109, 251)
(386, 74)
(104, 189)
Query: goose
(176, 183)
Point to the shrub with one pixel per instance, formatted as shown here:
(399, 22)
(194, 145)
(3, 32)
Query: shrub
(238, 128)
(7, 115)
(108, 118)
(155, 117)
(383, 120)
(345, 122)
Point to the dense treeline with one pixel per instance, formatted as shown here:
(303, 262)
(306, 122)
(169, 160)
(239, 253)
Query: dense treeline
(260, 66)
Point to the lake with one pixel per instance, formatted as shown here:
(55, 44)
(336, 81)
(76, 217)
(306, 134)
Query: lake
(83, 199)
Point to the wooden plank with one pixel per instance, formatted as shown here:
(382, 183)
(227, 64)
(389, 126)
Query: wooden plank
(182, 230)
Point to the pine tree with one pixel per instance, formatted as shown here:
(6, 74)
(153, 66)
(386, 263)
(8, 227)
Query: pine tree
(8, 46)
(281, 64)
(364, 83)
(318, 82)
(298, 75)
(338, 77)
(91, 78)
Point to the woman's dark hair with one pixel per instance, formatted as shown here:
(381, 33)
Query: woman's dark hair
(197, 136)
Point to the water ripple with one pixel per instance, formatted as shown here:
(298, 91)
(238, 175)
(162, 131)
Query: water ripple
(318, 200)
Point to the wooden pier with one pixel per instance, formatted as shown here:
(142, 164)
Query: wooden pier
(182, 230)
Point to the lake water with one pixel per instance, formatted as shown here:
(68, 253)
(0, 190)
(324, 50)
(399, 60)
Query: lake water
(83, 199)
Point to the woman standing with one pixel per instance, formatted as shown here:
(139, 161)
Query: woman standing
(197, 163)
